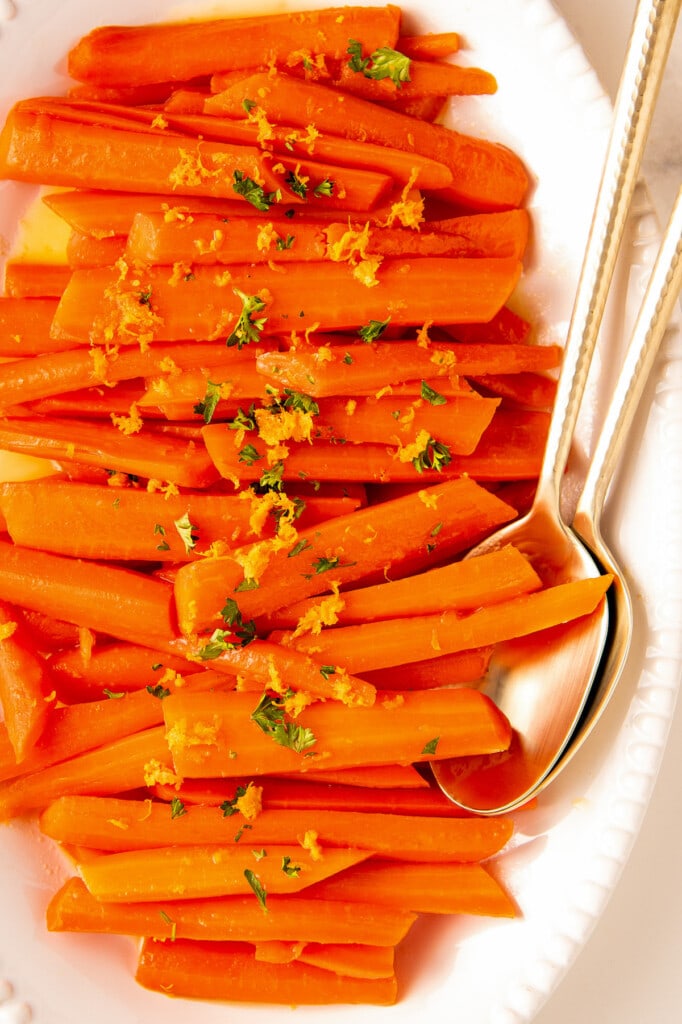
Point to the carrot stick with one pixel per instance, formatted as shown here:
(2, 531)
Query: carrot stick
(96, 403)
(427, 78)
(56, 373)
(200, 871)
(402, 732)
(111, 600)
(35, 280)
(153, 94)
(207, 306)
(350, 960)
(25, 327)
(289, 918)
(503, 234)
(430, 46)
(322, 372)
(125, 764)
(458, 422)
(23, 684)
(394, 642)
(487, 176)
(460, 667)
(96, 444)
(529, 389)
(423, 888)
(145, 54)
(496, 576)
(46, 149)
(86, 251)
(50, 635)
(506, 327)
(119, 667)
(116, 825)
(372, 539)
(198, 970)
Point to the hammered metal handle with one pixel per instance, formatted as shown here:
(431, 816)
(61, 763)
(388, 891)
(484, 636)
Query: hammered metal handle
(650, 39)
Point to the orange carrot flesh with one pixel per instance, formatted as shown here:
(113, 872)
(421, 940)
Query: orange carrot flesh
(430, 46)
(35, 280)
(371, 539)
(103, 445)
(220, 971)
(424, 888)
(23, 684)
(289, 919)
(487, 579)
(192, 872)
(460, 667)
(115, 825)
(401, 731)
(324, 372)
(392, 642)
(118, 667)
(114, 56)
(86, 251)
(25, 327)
(352, 961)
(530, 389)
(207, 306)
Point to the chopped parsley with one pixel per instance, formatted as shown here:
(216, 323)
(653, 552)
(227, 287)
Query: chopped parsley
(434, 456)
(432, 396)
(293, 870)
(285, 243)
(219, 642)
(431, 746)
(327, 670)
(255, 883)
(187, 532)
(244, 631)
(297, 185)
(253, 192)
(269, 716)
(243, 420)
(383, 63)
(325, 188)
(272, 479)
(248, 105)
(207, 406)
(247, 329)
(169, 920)
(246, 585)
(325, 564)
(348, 359)
(158, 691)
(159, 531)
(299, 548)
(249, 455)
(229, 807)
(177, 808)
(113, 695)
(145, 298)
(373, 330)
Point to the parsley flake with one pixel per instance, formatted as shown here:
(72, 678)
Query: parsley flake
(243, 420)
(253, 193)
(258, 889)
(299, 548)
(297, 185)
(248, 105)
(432, 396)
(431, 746)
(434, 456)
(247, 329)
(269, 716)
(373, 330)
(244, 631)
(383, 63)
(271, 479)
(285, 243)
(229, 807)
(187, 532)
(249, 455)
(207, 406)
(327, 670)
(177, 808)
(118, 695)
(325, 188)
(158, 691)
(293, 870)
(145, 298)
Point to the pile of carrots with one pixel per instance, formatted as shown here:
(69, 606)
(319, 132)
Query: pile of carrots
(278, 391)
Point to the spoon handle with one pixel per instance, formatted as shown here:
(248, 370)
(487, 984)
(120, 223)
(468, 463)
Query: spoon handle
(655, 312)
(650, 40)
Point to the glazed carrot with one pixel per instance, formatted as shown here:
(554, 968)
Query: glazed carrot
(24, 684)
(383, 776)
(488, 176)
(496, 576)
(116, 825)
(46, 149)
(506, 327)
(404, 732)
(423, 888)
(460, 667)
(430, 46)
(96, 444)
(372, 539)
(25, 327)
(73, 730)
(503, 234)
(50, 635)
(186, 101)
(35, 280)
(119, 667)
(85, 251)
(95, 403)
(394, 642)
(350, 960)
(529, 389)
(200, 871)
(134, 95)
(325, 371)
(56, 373)
(289, 918)
(229, 971)
(111, 600)
(207, 305)
(140, 55)
(427, 78)
(125, 764)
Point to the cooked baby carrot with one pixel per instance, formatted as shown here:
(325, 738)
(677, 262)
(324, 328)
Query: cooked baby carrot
(460, 667)
(430, 46)
(208, 305)
(116, 825)
(190, 872)
(25, 327)
(229, 971)
(418, 726)
(145, 54)
(289, 918)
(35, 280)
(86, 251)
(144, 454)
(394, 642)
(448, 517)
(24, 684)
(350, 960)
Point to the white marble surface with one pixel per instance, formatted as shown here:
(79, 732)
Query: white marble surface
(630, 970)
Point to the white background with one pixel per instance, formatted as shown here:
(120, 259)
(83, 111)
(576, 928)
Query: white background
(630, 972)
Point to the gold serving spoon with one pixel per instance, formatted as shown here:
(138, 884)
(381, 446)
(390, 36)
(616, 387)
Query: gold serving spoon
(542, 683)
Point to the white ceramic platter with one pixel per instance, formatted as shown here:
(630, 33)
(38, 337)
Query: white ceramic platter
(568, 853)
